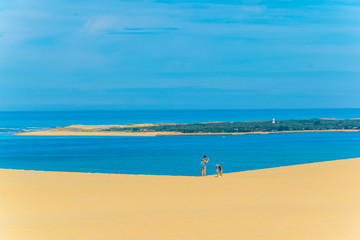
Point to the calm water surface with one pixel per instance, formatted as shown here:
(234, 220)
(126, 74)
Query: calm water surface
(172, 155)
(48, 119)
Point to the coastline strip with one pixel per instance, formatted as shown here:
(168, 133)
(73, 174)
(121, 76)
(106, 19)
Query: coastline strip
(52, 132)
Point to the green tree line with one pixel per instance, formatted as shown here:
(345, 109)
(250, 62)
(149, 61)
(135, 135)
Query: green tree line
(251, 126)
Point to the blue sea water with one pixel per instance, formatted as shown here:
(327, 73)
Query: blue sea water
(171, 155)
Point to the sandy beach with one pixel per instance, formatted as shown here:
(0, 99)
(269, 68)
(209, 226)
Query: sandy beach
(311, 201)
(98, 132)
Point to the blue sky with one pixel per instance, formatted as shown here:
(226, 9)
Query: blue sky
(205, 54)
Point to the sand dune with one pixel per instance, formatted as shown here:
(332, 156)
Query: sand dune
(311, 201)
(101, 127)
(97, 133)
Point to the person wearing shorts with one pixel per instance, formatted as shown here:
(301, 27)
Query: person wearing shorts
(203, 165)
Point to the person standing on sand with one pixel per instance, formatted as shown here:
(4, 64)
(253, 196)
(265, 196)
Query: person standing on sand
(203, 165)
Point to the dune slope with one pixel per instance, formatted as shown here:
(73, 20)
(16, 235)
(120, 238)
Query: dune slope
(311, 201)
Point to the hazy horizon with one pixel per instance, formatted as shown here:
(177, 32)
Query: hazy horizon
(184, 109)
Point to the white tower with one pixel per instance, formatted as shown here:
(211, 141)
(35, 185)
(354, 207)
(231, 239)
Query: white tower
(273, 121)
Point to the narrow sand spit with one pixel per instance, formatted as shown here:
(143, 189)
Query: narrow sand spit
(311, 201)
(72, 132)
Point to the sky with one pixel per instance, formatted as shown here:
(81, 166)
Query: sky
(201, 54)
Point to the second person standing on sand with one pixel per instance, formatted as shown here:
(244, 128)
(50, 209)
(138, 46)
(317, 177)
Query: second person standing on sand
(203, 165)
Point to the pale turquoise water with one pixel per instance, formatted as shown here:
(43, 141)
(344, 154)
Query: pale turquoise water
(173, 155)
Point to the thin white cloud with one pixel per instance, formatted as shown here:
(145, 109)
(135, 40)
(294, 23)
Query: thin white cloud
(99, 24)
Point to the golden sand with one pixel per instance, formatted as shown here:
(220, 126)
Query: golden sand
(99, 127)
(311, 201)
(97, 133)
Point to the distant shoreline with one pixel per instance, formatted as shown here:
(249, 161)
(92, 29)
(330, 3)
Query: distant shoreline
(158, 134)
(205, 128)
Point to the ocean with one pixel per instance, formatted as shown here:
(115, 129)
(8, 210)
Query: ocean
(170, 155)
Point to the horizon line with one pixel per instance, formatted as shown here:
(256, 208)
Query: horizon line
(194, 109)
